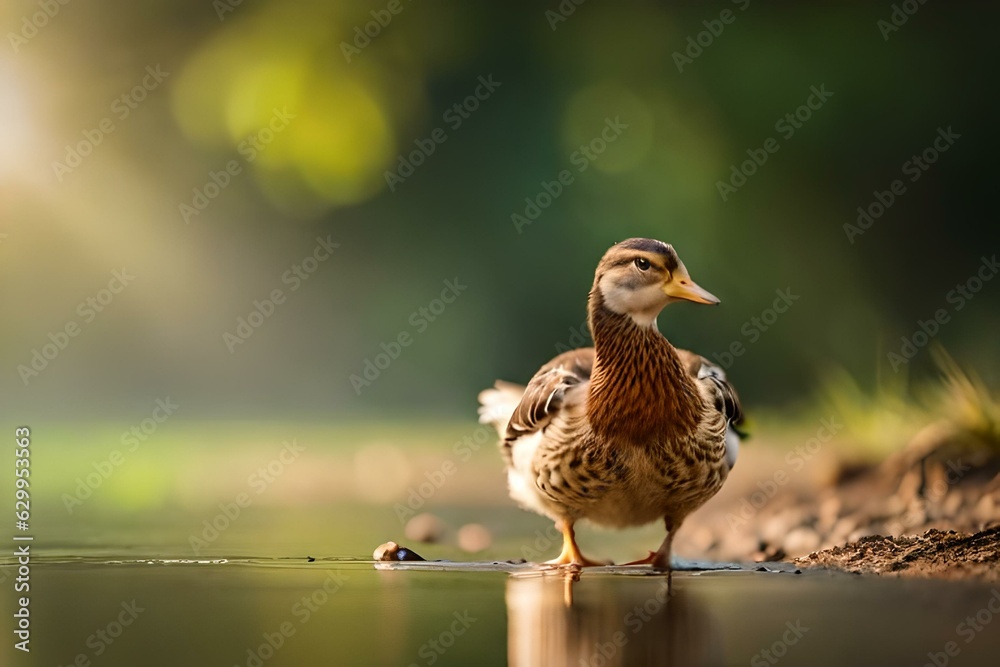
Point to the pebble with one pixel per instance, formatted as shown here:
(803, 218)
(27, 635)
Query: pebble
(774, 529)
(390, 551)
(473, 537)
(829, 512)
(800, 542)
(425, 527)
(843, 528)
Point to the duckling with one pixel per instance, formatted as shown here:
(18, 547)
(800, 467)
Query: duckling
(629, 431)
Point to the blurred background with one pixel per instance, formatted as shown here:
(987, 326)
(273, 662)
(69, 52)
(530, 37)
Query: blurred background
(272, 251)
(322, 173)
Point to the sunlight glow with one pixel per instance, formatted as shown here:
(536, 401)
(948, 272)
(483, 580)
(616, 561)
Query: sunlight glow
(18, 135)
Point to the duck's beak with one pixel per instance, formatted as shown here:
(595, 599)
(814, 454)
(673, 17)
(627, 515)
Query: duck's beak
(680, 286)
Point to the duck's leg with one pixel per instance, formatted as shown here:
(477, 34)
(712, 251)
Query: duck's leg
(661, 558)
(570, 554)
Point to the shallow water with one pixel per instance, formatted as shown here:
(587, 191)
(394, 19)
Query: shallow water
(268, 611)
(118, 580)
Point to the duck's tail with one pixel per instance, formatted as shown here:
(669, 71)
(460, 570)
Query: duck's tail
(496, 405)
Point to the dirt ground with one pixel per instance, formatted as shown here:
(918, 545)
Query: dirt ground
(936, 553)
(929, 511)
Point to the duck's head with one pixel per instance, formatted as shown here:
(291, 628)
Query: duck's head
(638, 277)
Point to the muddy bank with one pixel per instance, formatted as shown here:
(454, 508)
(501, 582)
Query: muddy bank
(931, 510)
(936, 553)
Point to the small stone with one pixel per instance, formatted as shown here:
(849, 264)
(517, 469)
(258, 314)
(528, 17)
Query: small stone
(843, 528)
(774, 529)
(800, 541)
(386, 551)
(390, 551)
(829, 512)
(771, 553)
(425, 527)
(473, 537)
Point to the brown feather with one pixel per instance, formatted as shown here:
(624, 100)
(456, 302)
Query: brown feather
(639, 388)
(630, 430)
(544, 394)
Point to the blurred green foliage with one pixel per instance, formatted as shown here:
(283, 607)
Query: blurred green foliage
(324, 176)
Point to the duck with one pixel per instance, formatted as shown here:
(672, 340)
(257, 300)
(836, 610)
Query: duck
(629, 431)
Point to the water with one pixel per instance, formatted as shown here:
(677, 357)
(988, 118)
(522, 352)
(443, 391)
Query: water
(255, 612)
(119, 581)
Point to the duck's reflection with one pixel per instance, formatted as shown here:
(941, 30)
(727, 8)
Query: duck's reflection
(558, 618)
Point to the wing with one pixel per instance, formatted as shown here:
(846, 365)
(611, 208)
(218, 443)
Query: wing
(727, 401)
(544, 396)
(703, 370)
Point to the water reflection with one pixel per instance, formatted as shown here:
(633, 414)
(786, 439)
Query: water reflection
(560, 618)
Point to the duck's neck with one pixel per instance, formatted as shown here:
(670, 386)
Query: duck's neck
(638, 389)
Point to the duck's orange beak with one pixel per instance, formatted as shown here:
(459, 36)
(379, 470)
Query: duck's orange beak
(680, 286)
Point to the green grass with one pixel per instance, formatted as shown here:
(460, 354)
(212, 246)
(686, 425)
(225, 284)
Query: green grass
(956, 404)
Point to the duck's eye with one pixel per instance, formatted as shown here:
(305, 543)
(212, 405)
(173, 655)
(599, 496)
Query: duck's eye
(642, 263)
